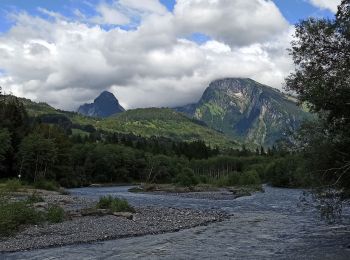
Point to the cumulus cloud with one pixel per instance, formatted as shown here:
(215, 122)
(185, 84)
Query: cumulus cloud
(238, 22)
(67, 63)
(331, 5)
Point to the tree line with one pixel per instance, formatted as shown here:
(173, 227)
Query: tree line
(37, 149)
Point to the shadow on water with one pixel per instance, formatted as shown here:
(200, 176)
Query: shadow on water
(274, 224)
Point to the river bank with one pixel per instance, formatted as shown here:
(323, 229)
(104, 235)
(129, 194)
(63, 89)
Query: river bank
(207, 192)
(85, 224)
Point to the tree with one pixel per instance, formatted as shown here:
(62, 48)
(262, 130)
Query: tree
(13, 116)
(186, 178)
(37, 155)
(321, 53)
(5, 147)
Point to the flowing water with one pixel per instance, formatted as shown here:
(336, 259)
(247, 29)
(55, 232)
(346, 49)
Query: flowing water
(270, 225)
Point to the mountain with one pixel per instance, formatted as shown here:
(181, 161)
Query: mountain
(146, 122)
(247, 110)
(104, 105)
(165, 122)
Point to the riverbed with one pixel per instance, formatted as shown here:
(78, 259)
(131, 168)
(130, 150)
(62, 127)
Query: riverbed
(274, 224)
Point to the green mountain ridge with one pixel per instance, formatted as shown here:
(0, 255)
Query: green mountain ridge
(246, 110)
(231, 111)
(146, 122)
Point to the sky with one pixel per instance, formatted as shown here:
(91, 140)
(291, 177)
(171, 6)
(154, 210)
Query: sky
(149, 53)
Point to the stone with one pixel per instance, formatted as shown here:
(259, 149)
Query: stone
(41, 205)
(127, 215)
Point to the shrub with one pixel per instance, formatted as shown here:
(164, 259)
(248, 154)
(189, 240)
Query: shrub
(249, 178)
(55, 214)
(114, 204)
(220, 182)
(233, 179)
(13, 185)
(34, 198)
(186, 178)
(46, 185)
(15, 214)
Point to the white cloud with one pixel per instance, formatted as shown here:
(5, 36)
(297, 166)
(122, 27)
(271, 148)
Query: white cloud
(67, 63)
(151, 6)
(110, 14)
(331, 5)
(238, 22)
(121, 12)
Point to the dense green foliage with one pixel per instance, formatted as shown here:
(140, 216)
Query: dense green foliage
(322, 80)
(186, 178)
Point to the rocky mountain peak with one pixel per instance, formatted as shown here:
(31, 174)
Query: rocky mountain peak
(106, 104)
(247, 110)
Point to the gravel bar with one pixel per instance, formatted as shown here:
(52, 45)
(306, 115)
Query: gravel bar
(210, 195)
(84, 229)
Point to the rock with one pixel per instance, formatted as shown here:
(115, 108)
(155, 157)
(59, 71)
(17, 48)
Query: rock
(66, 201)
(94, 212)
(126, 215)
(95, 185)
(75, 214)
(44, 205)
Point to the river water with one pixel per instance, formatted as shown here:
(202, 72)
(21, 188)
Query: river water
(270, 225)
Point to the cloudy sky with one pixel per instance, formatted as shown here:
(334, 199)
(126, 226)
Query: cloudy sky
(147, 52)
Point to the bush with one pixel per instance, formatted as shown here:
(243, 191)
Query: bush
(232, 179)
(55, 214)
(13, 185)
(34, 198)
(249, 178)
(114, 204)
(15, 214)
(46, 185)
(186, 178)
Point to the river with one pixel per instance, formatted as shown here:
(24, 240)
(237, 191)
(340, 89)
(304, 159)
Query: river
(270, 225)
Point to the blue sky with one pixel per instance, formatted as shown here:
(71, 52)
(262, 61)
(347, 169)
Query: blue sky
(292, 10)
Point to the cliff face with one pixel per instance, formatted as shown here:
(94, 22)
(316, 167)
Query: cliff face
(247, 110)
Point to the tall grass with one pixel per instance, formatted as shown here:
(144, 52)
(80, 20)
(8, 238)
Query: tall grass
(114, 204)
(15, 214)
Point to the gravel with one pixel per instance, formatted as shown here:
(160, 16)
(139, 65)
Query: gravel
(83, 229)
(210, 195)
